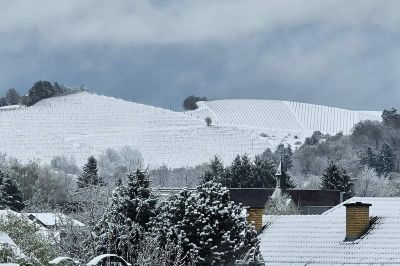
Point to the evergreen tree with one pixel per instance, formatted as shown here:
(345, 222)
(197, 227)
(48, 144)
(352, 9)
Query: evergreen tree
(124, 224)
(216, 171)
(116, 233)
(288, 158)
(90, 174)
(240, 172)
(10, 195)
(386, 160)
(336, 178)
(369, 159)
(263, 173)
(288, 182)
(286, 155)
(208, 226)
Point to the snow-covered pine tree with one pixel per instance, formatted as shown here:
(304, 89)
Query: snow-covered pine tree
(123, 225)
(336, 178)
(210, 228)
(165, 227)
(216, 171)
(90, 174)
(10, 195)
(140, 202)
(14, 195)
(116, 233)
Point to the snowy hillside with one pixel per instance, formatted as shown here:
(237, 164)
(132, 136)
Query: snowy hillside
(282, 115)
(83, 124)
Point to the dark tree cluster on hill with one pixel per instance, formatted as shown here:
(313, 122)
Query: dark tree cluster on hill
(245, 173)
(12, 97)
(44, 89)
(383, 162)
(190, 102)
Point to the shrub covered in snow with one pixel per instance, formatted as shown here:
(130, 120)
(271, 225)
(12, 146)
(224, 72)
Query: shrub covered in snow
(207, 225)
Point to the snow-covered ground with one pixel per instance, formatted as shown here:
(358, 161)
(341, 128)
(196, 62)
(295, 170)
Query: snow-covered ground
(83, 124)
(282, 115)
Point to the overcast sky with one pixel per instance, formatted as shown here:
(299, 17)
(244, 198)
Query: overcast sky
(337, 53)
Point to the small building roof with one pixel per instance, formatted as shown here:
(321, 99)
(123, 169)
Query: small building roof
(52, 219)
(319, 239)
(6, 240)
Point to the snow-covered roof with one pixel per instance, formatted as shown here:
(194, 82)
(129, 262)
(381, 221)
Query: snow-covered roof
(6, 240)
(319, 239)
(59, 260)
(51, 219)
(112, 257)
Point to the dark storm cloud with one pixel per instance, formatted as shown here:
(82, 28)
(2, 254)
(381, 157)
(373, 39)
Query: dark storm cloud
(339, 53)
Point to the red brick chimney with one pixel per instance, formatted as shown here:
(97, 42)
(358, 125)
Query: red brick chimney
(357, 220)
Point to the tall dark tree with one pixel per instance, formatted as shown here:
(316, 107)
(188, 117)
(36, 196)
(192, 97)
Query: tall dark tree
(90, 174)
(369, 158)
(240, 172)
(386, 160)
(10, 195)
(124, 224)
(263, 173)
(207, 225)
(336, 178)
(286, 155)
(216, 171)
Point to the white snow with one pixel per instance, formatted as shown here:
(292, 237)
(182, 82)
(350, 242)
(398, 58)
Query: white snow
(6, 240)
(84, 124)
(319, 239)
(52, 219)
(282, 115)
(112, 257)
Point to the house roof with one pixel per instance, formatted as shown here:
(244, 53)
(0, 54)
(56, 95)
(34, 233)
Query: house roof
(319, 239)
(5, 239)
(257, 197)
(51, 219)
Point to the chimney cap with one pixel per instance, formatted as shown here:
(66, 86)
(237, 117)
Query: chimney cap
(357, 204)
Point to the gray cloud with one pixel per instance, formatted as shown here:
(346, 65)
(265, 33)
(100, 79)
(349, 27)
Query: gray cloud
(340, 53)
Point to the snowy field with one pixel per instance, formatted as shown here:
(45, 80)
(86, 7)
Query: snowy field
(82, 124)
(282, 115)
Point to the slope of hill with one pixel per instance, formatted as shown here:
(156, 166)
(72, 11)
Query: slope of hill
(83, 124)
(282, 115)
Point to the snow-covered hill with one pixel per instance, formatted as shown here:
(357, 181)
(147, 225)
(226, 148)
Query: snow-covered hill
(282, 115)
(83, 124)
